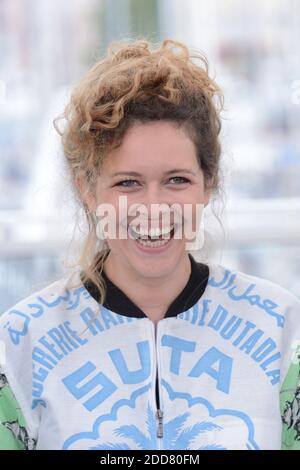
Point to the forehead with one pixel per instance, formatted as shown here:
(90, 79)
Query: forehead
(159, 145)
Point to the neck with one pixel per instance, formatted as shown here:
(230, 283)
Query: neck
(140, 289)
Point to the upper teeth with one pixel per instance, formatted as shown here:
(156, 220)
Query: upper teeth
(153, 232)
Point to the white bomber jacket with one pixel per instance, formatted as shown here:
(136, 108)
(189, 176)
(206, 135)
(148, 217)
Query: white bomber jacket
(209, 376)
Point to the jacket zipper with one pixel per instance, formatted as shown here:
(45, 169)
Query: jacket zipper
(159, 411)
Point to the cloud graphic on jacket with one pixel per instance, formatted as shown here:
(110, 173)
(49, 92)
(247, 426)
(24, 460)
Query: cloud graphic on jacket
(197, 425)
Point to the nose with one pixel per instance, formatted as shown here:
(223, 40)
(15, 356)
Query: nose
(154, 204)
(155, 193)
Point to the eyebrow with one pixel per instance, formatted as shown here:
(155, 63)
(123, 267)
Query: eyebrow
(134, 173)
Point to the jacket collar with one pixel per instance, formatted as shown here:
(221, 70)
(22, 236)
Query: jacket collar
(117, 301)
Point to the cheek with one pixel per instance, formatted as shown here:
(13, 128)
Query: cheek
(193, 210)
(107, 200)
(191, 201)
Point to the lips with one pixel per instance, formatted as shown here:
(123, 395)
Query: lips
(153, 245)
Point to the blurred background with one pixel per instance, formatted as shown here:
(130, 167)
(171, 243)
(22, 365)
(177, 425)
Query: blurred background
(253, 52)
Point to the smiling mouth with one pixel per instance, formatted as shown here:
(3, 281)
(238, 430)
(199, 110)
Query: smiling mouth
(152, 238)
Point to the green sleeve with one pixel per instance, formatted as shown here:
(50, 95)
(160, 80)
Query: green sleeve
(13, 433)
(290, 408)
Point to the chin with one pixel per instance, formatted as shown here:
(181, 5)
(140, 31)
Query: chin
(155, 266)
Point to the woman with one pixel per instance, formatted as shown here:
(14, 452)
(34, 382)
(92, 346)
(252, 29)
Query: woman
(148, 348)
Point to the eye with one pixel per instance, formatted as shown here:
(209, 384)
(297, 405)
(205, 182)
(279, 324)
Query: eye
(181, 179)
(128, 183)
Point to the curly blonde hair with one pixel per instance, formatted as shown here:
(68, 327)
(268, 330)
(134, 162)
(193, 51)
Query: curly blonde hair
(137, 83)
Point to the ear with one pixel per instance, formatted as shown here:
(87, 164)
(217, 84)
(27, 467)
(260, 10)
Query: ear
(207, 194)
(208, 190)
(88, 198)
(206, 198)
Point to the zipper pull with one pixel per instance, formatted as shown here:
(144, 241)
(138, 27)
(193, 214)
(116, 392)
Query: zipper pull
(159, 415)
